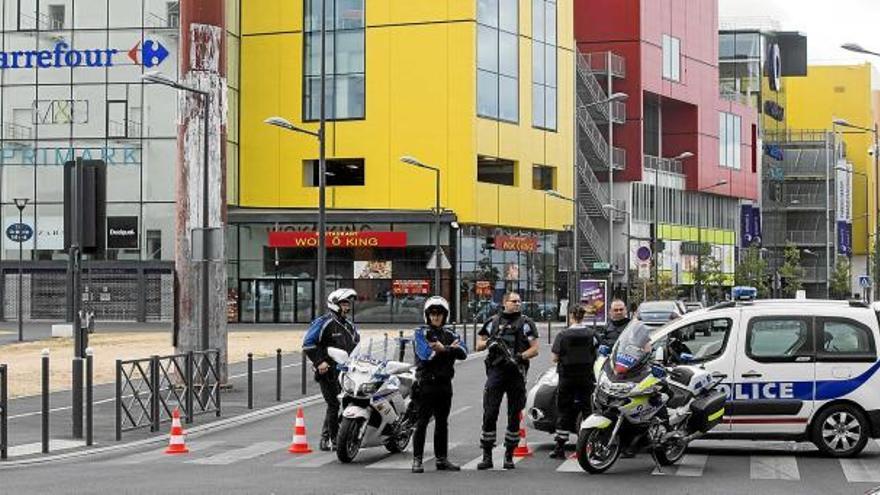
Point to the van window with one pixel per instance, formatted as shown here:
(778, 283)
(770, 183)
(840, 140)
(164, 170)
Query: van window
(845, 340)
(778, 339)
(708, 338)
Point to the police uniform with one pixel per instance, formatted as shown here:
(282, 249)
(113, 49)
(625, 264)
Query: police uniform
(329, 330)
(612, 331)
(576, 351)
(434, 373)
(503, 376)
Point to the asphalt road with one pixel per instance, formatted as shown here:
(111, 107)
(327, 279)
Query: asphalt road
(253, 458)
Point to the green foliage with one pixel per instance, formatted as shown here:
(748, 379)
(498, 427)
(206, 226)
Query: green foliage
(839, 280)
(792, 271)
(752, 271)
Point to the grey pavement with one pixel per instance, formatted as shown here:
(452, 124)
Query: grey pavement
(253, 458)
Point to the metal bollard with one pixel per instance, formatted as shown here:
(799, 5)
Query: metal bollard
(154, 393)
(118, 400)
(190, 393)
(401, 347)
(217, 388)
(277, 375)
(90, 371)
(45, 409)
(3, 414)
(250, 378)
(77, 399)
(549, 332)
(385, 347)
(302, 367)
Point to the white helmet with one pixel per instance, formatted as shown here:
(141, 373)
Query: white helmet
(339, 295)
(436, 302)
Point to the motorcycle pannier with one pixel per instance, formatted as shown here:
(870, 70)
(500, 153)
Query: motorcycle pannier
(707, 411)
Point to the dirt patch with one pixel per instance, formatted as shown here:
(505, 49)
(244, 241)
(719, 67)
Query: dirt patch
(23, 359)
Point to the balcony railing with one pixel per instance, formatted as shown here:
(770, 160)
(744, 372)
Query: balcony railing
(667, 165)
(598, 63)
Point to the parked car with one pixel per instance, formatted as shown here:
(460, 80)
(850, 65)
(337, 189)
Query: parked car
(692, 305)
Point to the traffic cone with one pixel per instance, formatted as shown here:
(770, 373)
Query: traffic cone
(176, 442)
(300, 443)
(522, 450)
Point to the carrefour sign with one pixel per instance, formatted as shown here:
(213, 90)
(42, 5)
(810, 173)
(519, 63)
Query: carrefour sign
(149, 54)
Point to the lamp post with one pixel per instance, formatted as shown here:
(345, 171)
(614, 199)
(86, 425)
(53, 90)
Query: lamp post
(655, 236)
(628, 215)
(437, 253)
(575, 260)
(158, 78)
(700, 240)
(20, 203)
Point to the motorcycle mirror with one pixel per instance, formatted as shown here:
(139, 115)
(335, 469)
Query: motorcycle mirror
(604, 350)
(338, 355)
(659, 354)
(685, 357)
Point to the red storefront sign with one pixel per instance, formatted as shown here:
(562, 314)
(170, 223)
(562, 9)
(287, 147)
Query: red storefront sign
(516, 243)
(405, 287)
(483, 288)
(338, 239)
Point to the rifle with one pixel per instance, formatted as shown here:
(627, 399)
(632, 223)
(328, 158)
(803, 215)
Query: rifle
(503, 356)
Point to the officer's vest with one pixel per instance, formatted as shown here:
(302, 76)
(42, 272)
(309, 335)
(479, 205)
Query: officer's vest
(511, 333)
(580, 351)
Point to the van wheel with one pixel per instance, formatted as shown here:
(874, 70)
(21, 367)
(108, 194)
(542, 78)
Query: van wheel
(840, 431)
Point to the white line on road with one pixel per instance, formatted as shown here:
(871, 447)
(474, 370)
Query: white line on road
(497, 461)
(309, 460)
(35, 448)
(691, 465)
(242, 454)
(570, 466)
(774, 467)
(160, 455)
(459, 411)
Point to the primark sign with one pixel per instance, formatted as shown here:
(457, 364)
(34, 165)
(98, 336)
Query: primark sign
(150, 53)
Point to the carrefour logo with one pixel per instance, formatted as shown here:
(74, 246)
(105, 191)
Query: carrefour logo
(149, 54)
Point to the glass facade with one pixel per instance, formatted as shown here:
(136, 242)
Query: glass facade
(76, 90)
(544, 85)
(498, 59)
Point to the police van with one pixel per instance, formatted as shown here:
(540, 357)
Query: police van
(793, 369)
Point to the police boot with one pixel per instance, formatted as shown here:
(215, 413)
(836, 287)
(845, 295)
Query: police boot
(558, 450)
(486, 463)
(443, 464)
(508, 457)
(417, 465)
(324, 444)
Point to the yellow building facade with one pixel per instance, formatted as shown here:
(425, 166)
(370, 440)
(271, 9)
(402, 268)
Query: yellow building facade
(415, 85)
(841, 92)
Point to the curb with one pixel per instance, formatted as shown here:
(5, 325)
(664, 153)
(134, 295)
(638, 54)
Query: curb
(194, 432)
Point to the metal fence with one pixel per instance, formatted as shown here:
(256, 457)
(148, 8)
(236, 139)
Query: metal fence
(148, 390)
(4, 415)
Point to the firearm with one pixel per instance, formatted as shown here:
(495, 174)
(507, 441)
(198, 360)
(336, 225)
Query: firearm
(501, 355)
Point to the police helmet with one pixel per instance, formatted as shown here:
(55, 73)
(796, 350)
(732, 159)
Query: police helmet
(339, 295)
(436, 302)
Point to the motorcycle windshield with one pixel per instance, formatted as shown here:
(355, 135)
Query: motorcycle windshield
(632, 349)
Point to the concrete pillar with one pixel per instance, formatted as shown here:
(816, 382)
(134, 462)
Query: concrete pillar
(202, 66)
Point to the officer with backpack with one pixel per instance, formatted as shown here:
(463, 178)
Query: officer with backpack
(437, 347)
(574, 352)
(512, 340)
(333, 329)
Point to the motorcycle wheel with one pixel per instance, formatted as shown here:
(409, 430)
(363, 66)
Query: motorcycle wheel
(596, 452)
(348, 441)
(400, 440)
(670, 453)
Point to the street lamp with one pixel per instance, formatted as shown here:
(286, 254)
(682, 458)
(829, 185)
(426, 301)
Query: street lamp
(628, 215)
(699, 284)
(20, 203)
(576, 263)
(656, 233)
(437, 253)
(611, 99)
(855, 47)
(156, 77)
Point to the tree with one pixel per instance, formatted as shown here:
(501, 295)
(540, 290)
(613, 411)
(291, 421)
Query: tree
(792, 271)
(715, 279)
(665, 288)
(752, 271)
(839, 281)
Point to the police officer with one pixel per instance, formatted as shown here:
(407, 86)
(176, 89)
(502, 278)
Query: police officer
(512, 340)
(437, 347)
(618, 320)
(333, 329)
(574, 352)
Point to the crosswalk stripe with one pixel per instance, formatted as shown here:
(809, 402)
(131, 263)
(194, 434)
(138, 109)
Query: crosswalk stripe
(861, 470)
(159, 455)
(55, 445)
(774, 467)
(242, 454)
(691, 465)
(497, 460)
(309, 461)
(459, 411)
(570, 465)
(404, 461)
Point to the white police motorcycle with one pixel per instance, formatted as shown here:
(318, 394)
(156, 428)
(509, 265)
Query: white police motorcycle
(375, 400)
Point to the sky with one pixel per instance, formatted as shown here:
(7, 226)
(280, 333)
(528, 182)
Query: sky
(827, 25)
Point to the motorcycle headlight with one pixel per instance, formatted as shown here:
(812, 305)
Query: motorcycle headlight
(615, 389)
(348, 385)
(369, 388)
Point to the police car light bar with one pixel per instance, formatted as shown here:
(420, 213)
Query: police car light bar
(743, 293)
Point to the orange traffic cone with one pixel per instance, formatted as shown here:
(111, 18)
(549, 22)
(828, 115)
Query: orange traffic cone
(522, 450)
(176, 443)
(300, 443)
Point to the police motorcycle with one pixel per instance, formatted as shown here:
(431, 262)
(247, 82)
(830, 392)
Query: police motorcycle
(375, 403)
(639, 402)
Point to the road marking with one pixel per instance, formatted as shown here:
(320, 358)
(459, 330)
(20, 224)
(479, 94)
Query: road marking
(774, 467)
(309, 460)
(570, 465)
(159, 455)
(404, 461)
(37, 447)
(497, 461)
(691, 465)
(459, 411)
(242, 454)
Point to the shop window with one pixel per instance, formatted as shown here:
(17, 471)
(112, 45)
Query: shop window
(496, 171)
(56, 17)
(543, 178)
(340, 172)
(27, 15)
(154, 244)
(172, 17)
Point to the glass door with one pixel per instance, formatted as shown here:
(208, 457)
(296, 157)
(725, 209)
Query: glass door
(286, 301)
(247, 301)
(304, 299)
(266, 301)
